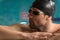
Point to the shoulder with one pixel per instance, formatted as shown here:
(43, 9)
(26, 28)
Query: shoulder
(58, 30)
(20, 27)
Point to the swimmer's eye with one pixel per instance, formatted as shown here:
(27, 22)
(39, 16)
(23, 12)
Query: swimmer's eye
(34, 12)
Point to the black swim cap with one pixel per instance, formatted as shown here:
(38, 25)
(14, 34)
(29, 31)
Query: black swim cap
(47, 6)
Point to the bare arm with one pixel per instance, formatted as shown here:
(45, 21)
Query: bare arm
(9, 33)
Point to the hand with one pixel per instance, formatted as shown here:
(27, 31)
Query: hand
(36, 35)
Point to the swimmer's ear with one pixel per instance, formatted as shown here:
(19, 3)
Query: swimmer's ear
(49, 18)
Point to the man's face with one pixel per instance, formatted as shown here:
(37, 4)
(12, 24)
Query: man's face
(37, 17)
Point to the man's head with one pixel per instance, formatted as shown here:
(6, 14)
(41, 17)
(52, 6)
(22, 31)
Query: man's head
(40, 11)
